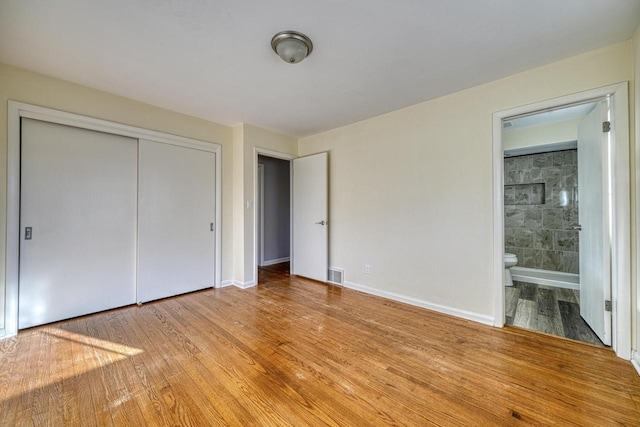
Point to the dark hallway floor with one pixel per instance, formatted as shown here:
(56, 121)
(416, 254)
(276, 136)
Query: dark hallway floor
(273, 272)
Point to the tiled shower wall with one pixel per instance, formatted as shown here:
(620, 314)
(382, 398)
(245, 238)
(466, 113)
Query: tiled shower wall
(540, 207)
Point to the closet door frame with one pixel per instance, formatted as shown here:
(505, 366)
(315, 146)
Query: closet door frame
(17, 110)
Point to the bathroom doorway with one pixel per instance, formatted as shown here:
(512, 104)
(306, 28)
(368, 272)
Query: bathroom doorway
(544, 155)
(560, 286)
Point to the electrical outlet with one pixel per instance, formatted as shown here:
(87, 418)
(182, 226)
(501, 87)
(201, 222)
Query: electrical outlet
(367, 269)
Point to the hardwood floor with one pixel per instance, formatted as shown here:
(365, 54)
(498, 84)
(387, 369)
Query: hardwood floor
(273, 272)
(294, 352)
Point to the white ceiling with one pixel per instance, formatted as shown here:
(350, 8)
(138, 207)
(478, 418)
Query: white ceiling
(547, 117)
(213, 59)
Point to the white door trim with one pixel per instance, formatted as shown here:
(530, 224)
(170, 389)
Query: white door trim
(260, 218)
(278, 155)
(621, 245)
(17, 110)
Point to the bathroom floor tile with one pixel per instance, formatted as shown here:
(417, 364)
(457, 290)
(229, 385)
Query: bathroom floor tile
(511, 297)
(550, 325)
(526, 314)
(528, 291)
(574, 326)
(554, 311)
(547, 303)
(568, 295)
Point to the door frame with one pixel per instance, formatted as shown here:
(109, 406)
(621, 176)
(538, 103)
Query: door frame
(258, 151)
(260, 212)
(17, 110)
(620, 209)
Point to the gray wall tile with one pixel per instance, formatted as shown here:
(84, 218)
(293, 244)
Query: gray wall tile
(543, 239)
(538, 232)
(513, 217)
(552, 219)
(532, 218)
(524, 194)
(523, 238)
(565, 240)
(533, 258)
(570, 262)
(541, 160)
(552, 260)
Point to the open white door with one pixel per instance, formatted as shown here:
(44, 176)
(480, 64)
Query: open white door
(310, 217)
(595, 264)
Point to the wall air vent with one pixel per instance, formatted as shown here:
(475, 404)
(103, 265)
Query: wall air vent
(335, 276)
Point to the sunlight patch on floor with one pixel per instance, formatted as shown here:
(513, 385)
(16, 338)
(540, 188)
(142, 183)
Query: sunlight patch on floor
(93, 351)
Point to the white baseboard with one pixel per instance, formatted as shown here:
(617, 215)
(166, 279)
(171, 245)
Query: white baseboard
(635, 361)
(555, 279)
(238, 284)
(244, 285)
(464, 314)
(275, 261)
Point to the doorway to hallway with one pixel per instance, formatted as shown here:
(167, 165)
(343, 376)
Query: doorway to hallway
(273, 212)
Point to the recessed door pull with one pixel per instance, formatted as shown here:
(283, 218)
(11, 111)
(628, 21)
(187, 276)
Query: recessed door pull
(27, 233)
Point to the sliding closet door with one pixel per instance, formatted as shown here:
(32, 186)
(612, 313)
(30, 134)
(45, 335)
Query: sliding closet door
(175, 223)
(77, 222)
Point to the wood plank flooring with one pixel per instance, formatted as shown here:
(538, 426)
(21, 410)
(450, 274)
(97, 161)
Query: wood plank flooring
(546, 309)
(292, 352)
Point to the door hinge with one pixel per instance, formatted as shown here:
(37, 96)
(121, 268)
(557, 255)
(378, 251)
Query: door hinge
(606, 127)
(607, 305)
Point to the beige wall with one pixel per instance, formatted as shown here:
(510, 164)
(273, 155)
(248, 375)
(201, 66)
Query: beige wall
(411, 191)
(246, 139)
(238, 204)
(37, 89)
(541, 135)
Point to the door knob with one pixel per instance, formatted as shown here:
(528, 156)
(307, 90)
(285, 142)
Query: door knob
(577, 227)
(321, 222)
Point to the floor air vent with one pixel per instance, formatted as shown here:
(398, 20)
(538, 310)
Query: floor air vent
(336, 276)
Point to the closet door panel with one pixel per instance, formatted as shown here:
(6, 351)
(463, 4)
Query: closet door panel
(176, 212)
(77, 222)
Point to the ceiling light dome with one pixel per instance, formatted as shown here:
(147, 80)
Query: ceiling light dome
(291, 46)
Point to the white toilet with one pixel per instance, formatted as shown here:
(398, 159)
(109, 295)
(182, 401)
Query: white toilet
(509, 261)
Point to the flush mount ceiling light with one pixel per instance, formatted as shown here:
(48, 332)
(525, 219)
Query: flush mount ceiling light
(291, 46)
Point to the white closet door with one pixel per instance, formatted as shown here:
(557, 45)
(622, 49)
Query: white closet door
(176, 213)
(78, 199)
